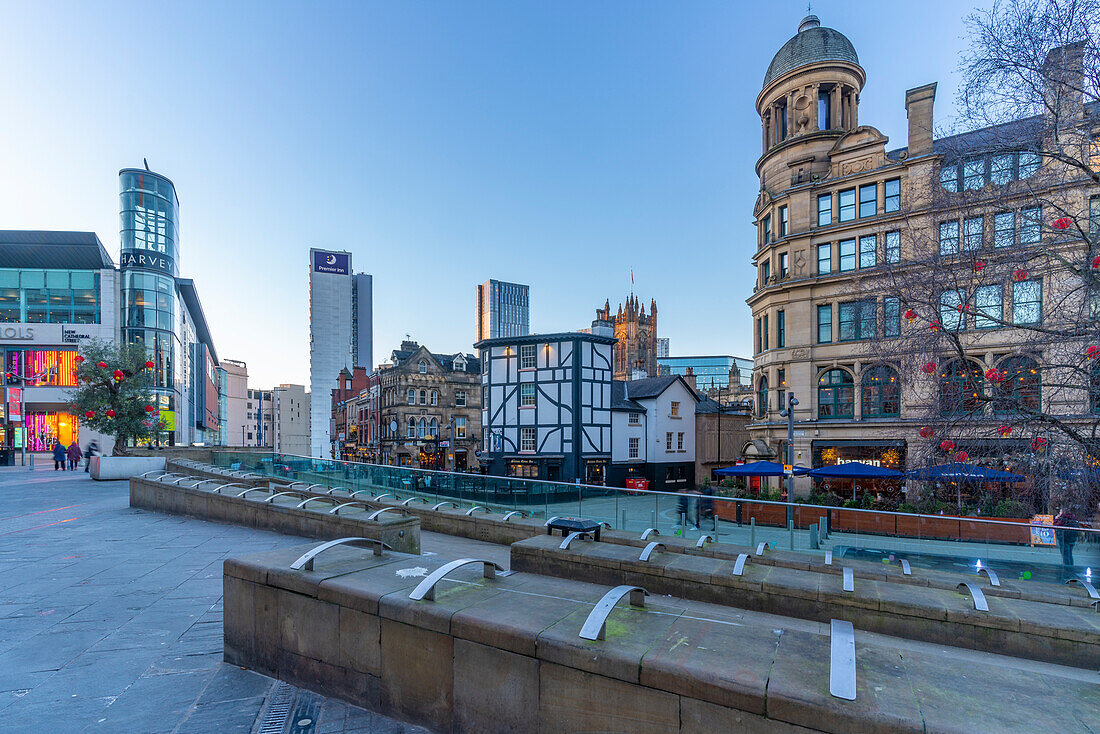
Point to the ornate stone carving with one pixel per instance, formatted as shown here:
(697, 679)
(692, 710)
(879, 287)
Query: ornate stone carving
(800, 353)
(859, 165)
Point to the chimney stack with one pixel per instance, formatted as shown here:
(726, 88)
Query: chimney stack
(689, 377)
(1063, 82)
(918, 107)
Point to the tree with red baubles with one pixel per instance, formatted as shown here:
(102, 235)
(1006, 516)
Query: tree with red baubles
(1004, 431)
(112, 391)
(1062, 223)
(149, 365)
(947, 445)
(979, 266)
(994, 375)
(961, 457)
(1096, 262)
(926, 431)
(910, 315)
(1092, 352)
(1019, 275)
(928, 368)
(78, 359)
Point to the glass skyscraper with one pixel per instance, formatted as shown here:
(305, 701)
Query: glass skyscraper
(711, 371)
(502, 310)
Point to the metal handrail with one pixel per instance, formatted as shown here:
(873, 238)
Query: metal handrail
(703, 540)
(648, 532)
(993, 580)
(739, 566)
(564, 545)
(761, 547)
(906, 569)
(510, 513)
(1086, 585)
(376, 513)
(310, 487)
(444, 502)
(426, 588)
(331, 491)
(307, 500)
(336, 510)
(204, 481)
(595, 625)
(218, 489)
(271, 499)
(849, 579)
(979, 598)
(151, 471)
(829, 557)
(305, 561)
(251, 489)
(842, 659)
(547, 523)
(648, 551)
(478, 507)
(405, 503)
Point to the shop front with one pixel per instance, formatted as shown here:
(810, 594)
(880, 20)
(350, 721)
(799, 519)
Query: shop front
(44, 428)
(888, 454)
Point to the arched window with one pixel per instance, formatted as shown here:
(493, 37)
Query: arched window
(423, 397)
(435, 398)
(762, 398)
(1022, 387)
(836, 395)
(423, 367)
(881, 392)
(960, 388)
(411, 432)
(1094, 388)
(421, 428)
(433, 428)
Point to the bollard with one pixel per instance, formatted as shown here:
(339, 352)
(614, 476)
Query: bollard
(752, 531)
(824, 527)
(790, 532)
(653, 519)
(814, 544)
(622, 524)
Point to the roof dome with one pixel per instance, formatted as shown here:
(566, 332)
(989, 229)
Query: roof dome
(812, 45)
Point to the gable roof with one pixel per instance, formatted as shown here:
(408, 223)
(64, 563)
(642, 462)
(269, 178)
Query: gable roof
(619, 400)
(651, 387)
(45, 249)
(446, 361)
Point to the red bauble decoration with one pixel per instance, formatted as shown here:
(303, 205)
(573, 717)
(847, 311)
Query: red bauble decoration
(149, 365)
(1062, 223)
(935, 326)
(1096, 262)
(1004, 431)
(1093, 352)
(149, 408)
(947, 445)
(78, 359)
(925, 431)
(994, 375)
(1018, 275)
(118, 374)
(110, 414)
(979, 266)
(101, 365)
(1038, 443)
(962, 456)
(928, 368)
(89, 414)
(910, 315)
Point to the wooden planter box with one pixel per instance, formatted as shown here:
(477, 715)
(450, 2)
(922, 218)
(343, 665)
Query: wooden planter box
(996, 532)
(851, 521)
(940, 528)
(804, 517)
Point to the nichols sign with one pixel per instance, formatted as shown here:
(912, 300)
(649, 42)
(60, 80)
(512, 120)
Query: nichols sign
(335, 263)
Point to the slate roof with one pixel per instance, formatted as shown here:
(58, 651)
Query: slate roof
(651, 387)
(619, 400)
(473, 364)
(52, 250)
(810, 45)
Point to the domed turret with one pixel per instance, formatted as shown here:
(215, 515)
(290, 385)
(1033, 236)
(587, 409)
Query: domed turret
(812, 44)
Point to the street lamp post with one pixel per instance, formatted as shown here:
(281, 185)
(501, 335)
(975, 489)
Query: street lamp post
(788, 413)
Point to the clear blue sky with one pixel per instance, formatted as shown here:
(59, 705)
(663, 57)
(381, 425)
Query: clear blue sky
(556, 143)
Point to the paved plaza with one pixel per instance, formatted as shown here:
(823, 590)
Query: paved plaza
(111, 619)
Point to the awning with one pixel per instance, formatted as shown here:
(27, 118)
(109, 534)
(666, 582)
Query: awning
(962, 472)
(855, 470)
(758, 469)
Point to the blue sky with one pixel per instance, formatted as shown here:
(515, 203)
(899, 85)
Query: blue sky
(443, 143)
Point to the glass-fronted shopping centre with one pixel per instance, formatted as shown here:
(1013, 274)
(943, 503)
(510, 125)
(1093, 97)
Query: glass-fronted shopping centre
(711, 372)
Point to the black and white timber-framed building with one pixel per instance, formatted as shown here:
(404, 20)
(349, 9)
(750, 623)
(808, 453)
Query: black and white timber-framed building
(546, 406)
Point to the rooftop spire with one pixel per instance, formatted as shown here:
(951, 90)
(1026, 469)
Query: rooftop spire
(810, 21)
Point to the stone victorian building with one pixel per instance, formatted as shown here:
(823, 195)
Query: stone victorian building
(902, 293)
(430, 412)
(635, 354)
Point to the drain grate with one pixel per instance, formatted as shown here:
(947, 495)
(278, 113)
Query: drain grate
(278, 709)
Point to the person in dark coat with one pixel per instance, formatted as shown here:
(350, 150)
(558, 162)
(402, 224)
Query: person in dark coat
(1065, 524)
(93, 449)
(58, 456)
(75, 455)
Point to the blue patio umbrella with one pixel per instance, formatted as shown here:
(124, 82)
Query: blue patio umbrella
(757, 469)
(855, 470)
(957, 471)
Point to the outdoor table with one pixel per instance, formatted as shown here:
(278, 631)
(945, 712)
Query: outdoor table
(573, 525)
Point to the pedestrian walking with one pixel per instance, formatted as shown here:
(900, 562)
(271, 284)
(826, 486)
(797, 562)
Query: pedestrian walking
(1065, 524)
(75, 455)
(58, 456)
(93, 449)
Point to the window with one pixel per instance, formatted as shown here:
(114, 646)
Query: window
(1030, 223)
(768, 229)
(847, 255)
(634, 419)
(527, 394)
(949, 178)
(766, 333)
(824, 259)
(835, 395)
(825, 324)
(680, 441)
(960, 388)
(891, 317)
(423, 397)
(460, 398)
(460, 426)
(1027, 302)
(784, 264)
(892, 200)
(1029, 164)
(824, 210)
(433, 428)
(989, 306)
(1000, 169)
(422, 428)
(759, 336)
(435, 398)
(766, 271)
(847, 209)
(527, 439)
(668, 441)
(632, 450)
(856, 320)
(411, 430)
(412, 396)
(1094, 216)
(781, 377)
(527, 357)
(881, 393)
(868, 200)
(951, 313)
(824, 110)
(1004, 229)
(949, 238)
(423, 367)
(973, 174)
(780, 329)
(868, 251)
(973, 233)
(892, 247)
(1021, 390)
(674, 409)
(783, 122)
(762, 397)
(783, 221)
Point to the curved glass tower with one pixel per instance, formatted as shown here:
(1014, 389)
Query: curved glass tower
(149, 265)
